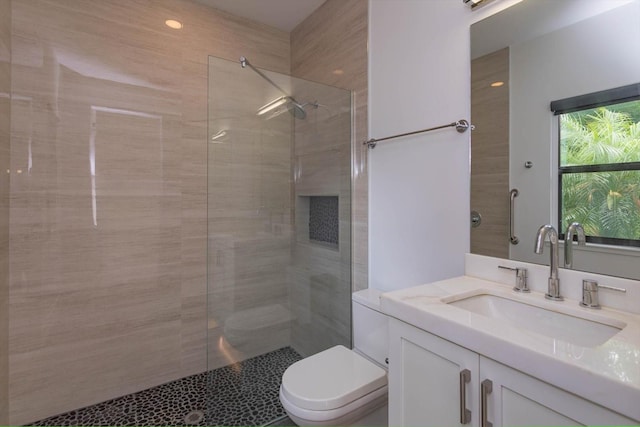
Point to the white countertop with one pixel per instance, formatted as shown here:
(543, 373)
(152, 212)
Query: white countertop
(607, 374)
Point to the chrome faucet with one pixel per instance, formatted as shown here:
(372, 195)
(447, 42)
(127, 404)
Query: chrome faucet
(554, 283)
(576, 228)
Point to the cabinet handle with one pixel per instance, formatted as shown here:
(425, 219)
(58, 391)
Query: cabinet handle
(465, 414)
(486, 387)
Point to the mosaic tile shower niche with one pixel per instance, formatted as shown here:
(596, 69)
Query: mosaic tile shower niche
(324, 220)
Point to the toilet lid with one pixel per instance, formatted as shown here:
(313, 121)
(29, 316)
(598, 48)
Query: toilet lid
(331, 379)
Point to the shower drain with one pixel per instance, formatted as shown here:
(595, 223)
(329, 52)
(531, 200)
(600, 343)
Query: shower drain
(194, 417)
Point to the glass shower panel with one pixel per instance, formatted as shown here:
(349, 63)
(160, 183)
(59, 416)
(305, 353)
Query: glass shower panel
(249, 217)
(279, 218)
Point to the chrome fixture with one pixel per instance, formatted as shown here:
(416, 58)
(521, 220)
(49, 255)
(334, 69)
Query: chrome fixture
(574, 228)
(486, 388)
(590, 293)
(521, 278)
(474, 3)
(294, 107)
(461, 126)
(554, 282)
(465, 414)
(476, 219)
(512, 211)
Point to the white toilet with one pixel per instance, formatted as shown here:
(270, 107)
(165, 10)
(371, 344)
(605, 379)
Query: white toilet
(339, 386)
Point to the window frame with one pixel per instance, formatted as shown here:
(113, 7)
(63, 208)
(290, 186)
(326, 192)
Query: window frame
(590, 101)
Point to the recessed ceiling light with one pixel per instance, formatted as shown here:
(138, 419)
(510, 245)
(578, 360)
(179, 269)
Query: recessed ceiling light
(338, 71)
(497, 84)
(172, 23)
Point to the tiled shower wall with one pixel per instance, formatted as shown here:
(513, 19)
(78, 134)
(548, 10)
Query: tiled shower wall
(320, 288)
(5, 125)
(108, 187)
(330, 47)
(490, 154)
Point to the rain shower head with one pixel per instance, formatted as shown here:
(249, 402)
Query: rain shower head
(296, 110)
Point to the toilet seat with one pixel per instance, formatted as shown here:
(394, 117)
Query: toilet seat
(333, 384)
(339, 416)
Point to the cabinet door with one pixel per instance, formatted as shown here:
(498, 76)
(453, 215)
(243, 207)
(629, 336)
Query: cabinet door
(424, 379)
(520, 400)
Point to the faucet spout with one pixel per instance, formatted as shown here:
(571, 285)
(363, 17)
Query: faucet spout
(544, 232)
(574, 228)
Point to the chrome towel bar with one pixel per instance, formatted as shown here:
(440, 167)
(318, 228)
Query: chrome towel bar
(461, 126)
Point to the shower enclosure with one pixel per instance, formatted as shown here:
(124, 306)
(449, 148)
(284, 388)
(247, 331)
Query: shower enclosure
(279, 217)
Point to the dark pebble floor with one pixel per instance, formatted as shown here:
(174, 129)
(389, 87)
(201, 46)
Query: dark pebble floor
(242, 394)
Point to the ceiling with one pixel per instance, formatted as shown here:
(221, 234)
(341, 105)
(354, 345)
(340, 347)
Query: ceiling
(282, 14)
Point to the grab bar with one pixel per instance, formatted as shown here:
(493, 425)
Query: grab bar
(512, 238)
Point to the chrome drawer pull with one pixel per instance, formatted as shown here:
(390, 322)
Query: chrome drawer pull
(486, 387)
(465, 414)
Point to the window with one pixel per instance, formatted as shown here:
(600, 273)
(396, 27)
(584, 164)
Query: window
(599, 165)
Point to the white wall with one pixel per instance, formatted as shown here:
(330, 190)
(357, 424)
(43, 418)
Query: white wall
(419, 77)
(419, 186)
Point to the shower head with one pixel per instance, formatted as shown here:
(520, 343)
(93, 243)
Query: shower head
(296, 109)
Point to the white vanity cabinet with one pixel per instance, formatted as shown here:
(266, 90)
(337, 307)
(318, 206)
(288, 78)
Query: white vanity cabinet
(433, 382)
(424, 379)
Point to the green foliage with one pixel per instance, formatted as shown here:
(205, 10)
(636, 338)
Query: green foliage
(607, 204)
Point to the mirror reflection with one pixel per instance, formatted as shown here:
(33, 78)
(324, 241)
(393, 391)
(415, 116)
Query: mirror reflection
(577, 164)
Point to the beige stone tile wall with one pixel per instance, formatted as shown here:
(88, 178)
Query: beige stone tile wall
(490, 154)
(108, 215)
(5, 128)
(108, 212)
(321, 273)
(330, 47)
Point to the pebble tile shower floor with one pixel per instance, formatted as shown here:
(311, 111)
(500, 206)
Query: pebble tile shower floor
(242, 394)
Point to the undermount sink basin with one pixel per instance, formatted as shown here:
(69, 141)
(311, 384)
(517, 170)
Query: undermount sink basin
(553, 324)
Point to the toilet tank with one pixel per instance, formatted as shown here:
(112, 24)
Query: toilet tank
(370, 326)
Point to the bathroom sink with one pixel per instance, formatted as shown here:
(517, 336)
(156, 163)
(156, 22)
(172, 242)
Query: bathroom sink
(553, 324)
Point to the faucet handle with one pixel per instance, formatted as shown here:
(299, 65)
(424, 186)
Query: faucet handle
(590, 293)
(521, 278)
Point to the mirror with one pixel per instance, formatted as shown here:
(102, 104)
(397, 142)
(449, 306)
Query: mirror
(522, 58)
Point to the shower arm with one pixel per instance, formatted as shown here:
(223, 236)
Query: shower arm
(244, 62)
